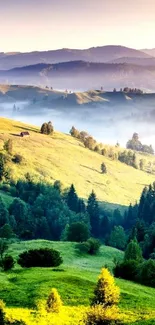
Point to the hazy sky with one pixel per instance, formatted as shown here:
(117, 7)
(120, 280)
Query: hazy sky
(27, 25)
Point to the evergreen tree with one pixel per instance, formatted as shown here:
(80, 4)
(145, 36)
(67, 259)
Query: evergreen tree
(72, 199)
(106, 292)
(104, 226)
(94, 214)
(4, 215)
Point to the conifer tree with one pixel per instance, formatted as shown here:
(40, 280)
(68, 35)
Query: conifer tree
(106, 292)
(94, 214)
(72, 199)
(54, 302)
(4, 215)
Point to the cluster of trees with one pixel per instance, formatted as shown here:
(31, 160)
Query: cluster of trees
(127, 157)
(132, 90)
(47, 128)
(141, 219)
(136, 145)
(134, 267)
(46, 211)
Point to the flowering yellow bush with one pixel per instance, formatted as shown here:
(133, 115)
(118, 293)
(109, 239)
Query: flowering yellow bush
(98, 315)
(54, 302)
(106, 291)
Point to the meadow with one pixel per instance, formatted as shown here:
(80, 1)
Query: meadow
(62, 157)
(75, 279)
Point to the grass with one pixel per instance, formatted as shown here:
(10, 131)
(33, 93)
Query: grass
(75, 280)
(61, 157)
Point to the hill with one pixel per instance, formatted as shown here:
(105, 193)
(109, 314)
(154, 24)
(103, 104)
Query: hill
(94, 54)
(62, 157)
(75, 280)
(82, 74)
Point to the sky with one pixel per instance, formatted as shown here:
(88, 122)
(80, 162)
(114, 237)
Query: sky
(28, 25)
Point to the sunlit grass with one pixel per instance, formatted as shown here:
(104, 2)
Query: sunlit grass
(61, 157)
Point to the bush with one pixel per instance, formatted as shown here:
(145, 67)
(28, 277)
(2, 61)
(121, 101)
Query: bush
(103, 168)
(2, 313)
(17, 159)
(91, 246)
(8, 263)
(54, 302)
(127, 270)
(97, 315)
(42, 257)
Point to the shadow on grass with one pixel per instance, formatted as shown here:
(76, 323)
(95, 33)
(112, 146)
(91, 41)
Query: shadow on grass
(26, 128)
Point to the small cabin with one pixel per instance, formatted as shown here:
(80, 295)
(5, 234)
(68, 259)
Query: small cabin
(24, 134)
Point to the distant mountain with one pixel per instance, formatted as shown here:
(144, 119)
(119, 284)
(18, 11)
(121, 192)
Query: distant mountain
(138, 61)
(82, 75)
(149, 51)
(94, 54)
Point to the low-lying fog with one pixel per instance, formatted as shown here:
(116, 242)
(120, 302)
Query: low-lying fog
(105, 126)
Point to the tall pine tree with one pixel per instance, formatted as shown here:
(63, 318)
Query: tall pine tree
(94, 214)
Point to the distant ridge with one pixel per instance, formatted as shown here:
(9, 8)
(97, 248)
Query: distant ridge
(94, 54)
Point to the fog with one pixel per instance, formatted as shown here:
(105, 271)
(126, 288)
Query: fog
(107, 125)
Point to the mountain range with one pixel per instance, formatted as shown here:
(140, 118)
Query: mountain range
(107, 66)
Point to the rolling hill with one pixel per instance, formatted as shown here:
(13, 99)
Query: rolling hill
(136, 73)
(75, 280)
(94, 54)
(62, 157)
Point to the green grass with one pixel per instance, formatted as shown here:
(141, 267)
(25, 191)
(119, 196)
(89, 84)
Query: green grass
(75, 280)
(62, 157)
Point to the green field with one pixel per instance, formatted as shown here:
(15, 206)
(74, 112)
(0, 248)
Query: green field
(75, 280)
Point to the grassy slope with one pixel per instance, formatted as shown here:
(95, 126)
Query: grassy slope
(63, 157)
(75, 280)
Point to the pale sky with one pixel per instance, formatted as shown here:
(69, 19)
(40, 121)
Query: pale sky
(27, 25)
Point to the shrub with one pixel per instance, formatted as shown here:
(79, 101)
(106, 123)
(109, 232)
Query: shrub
(91, 246)
(127, 270)
(97, 315)
(54, 302)
(8, 263)
(106, 292)
(17, 159)
(103, 168)
(42, 257)
(2, 313)
(3, 247)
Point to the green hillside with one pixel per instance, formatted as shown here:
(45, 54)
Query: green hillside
(62, 157)
(75, 280)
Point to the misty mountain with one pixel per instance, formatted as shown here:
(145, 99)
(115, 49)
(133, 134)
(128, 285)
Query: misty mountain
(137, 61)
(82, 75)
(149, 51)
(94, 54)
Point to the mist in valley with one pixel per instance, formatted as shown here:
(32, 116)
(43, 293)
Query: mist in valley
(106, 124)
